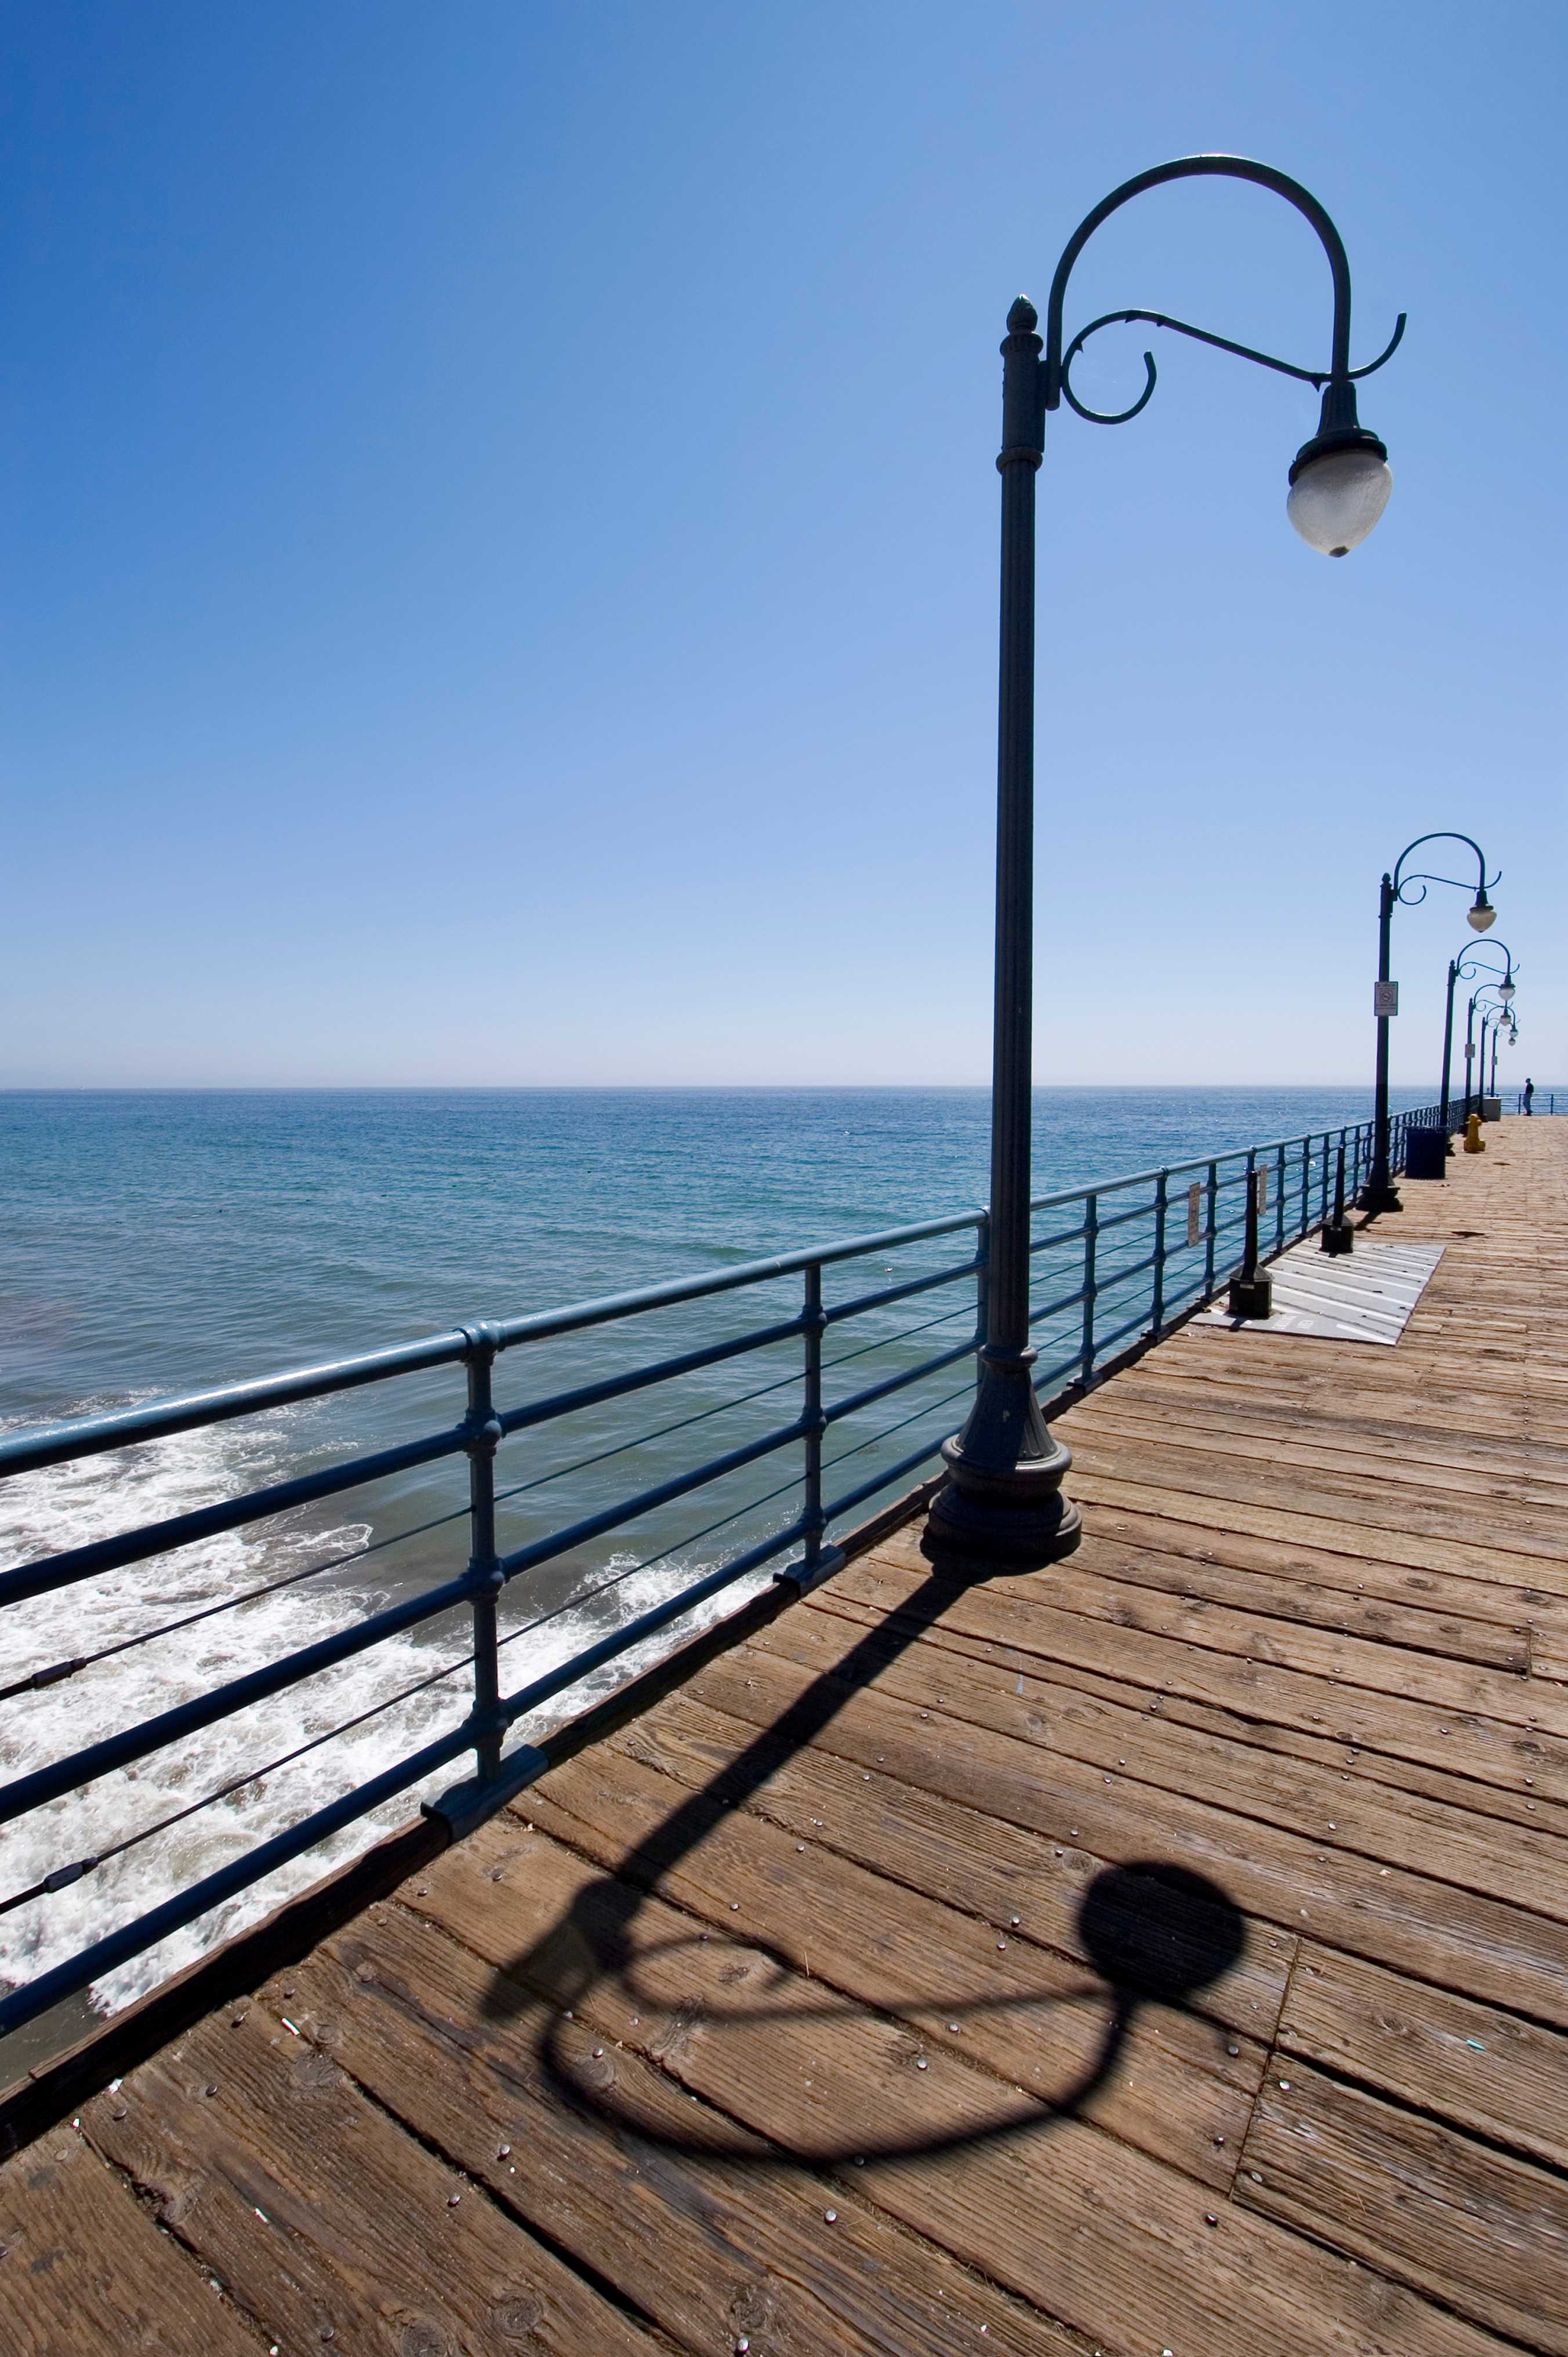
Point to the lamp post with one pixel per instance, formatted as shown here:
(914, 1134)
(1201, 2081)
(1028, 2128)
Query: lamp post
(1496, 1016)
(1465, 968)
(1378, 1195)
(1002, 1507)
(1477, 1066)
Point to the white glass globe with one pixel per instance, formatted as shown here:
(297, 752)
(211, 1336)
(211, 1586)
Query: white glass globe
(1482, 915)
(1336, 499)
(1505, 990)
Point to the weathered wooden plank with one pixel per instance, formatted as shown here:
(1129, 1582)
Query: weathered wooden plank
(1466, 1493)
(1485, 2069)
(1475, 1745)
(1128, 1744)
(1349, 1763)
(1092, 1585)
(690, 2215)
(1354, 1516)
(1155, 1395)
(85, 2268)
(1343, 1494)
(1293, 1575)
(1485, 2233)
(327, 2220)
(1092, 2231)
(1344, 1610)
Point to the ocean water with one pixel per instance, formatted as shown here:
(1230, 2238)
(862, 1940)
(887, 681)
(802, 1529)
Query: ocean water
(162, 1242)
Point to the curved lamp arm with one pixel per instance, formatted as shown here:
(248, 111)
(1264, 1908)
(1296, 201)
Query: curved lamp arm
(1469, 961)
(1338, 417)
(1412, 899)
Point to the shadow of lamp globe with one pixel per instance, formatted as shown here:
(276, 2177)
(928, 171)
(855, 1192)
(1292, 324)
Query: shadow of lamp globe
(1003, 1506)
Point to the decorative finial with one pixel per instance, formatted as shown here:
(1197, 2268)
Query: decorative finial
(1023, 318)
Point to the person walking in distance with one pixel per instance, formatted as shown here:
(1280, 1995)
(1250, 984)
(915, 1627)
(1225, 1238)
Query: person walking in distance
(1528, 1099)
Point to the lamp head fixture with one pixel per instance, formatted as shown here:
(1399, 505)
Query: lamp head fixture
(1506, 987)
(1340, 480)
(1481, 912)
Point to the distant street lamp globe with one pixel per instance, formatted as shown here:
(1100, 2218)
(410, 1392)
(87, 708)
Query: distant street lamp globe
(1337, 497)
(1482, 913)
(1506, 989)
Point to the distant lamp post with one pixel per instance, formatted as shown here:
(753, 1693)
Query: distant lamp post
(1378, 1195)
(1465, 968)
(1003, 1508)
(1475, 1065)
(1497, 1018)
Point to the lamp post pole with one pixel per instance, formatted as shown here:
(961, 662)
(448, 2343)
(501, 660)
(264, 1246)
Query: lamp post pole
(1379, 1192)
(1002, 1507)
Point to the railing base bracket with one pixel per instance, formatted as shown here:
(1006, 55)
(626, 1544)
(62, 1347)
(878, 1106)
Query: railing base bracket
(802, 1580)
(468, 1805)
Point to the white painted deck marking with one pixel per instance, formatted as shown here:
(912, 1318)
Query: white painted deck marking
(1365, 1296)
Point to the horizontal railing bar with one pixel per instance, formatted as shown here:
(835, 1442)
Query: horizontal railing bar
(646, 1624)
(1063, 1236)
(868, 1489)
(1102, 1341)
(50, 1572)
(1055, 1309)
(31, 1791)
(547, 1411)
(890, 1383)
(607, 1307)
(1115, 1276)
(88, 1435)
(89, 1964)
(1121, 1219)
(630, 1510)
(835, 1314)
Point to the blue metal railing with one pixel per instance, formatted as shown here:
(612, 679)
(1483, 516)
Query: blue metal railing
(1116, 1267)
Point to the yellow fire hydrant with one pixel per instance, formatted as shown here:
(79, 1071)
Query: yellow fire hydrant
(1474, 1142)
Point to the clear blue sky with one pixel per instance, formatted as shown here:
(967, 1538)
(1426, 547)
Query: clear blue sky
(499, 527)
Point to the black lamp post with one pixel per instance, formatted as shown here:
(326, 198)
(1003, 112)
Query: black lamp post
(1465, 968)
(1378, 1195)
(1496, 1017)
(1003, 1506)
(1474, 1064)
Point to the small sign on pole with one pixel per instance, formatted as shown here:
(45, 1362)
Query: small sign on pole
(1195, 1212)
(1260, 1189)
(1385, 999)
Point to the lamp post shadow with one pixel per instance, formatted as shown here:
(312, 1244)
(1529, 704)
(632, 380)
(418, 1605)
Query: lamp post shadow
(1153, 1933)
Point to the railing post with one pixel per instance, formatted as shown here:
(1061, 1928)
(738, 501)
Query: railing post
(812, 1414)
(1280, 1199)
(1305, 1186)
(1090, 1243)
(1212, 1193)
(1158, 1306)
(483, 1434)
(1323, 1211)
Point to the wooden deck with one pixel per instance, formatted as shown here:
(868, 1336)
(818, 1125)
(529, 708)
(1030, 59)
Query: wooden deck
(1162, 1955)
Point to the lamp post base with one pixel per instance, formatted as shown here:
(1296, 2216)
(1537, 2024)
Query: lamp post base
(1339, 1236)
(982, 1525)
(1003, 1509)
(1251, 1296)
(1375, 1198)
